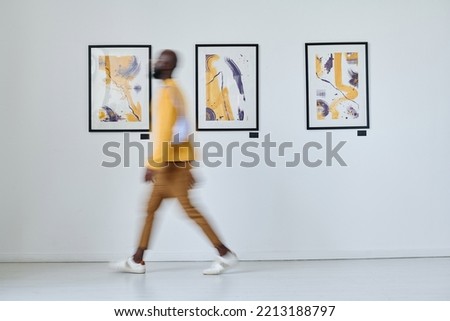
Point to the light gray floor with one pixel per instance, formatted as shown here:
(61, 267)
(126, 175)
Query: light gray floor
(334, 280)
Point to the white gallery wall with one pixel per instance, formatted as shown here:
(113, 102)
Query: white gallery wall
(392, 200)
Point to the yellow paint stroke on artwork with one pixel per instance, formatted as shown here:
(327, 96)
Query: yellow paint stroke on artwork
(352, 57)
(349, 91)
(102, 114)
(320, 115)
(111, 65)
(216, 98)
(333, 110)
(105, 65)
(319, 67)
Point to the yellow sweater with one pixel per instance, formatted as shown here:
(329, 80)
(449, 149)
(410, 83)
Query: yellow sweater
(170, 106)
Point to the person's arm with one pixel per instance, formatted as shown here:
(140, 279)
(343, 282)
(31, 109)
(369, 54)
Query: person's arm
(163, 135)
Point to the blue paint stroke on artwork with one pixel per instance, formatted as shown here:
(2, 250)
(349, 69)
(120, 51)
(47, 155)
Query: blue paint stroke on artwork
(329, 64)
(241, 114)
(131, 70)
(137, 88)
(352, 112)
(353, 78)
(210, 114)
(237, 75)
(322, 107)
(111, 116)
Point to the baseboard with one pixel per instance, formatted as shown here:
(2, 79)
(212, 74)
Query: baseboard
(243, 255)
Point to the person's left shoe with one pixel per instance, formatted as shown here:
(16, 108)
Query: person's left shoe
(222, 263)
(129, 266)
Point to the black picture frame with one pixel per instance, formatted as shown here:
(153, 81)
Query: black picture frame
(119, 101)
(221, 71)
(335, 100)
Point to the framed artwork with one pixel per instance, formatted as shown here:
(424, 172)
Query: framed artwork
(227, 87)
(119, 88)
(337, 85)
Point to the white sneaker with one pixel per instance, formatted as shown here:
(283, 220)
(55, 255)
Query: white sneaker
(222, 263)
(129, 266)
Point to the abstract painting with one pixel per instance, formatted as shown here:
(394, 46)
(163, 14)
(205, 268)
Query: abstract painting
(337, 85)
(119, 88)
(227, 87)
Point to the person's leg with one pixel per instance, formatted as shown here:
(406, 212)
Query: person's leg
(136, 264)
(182, 183)
(226, 259)
(161, 190)
(153, 204)
(200, 220)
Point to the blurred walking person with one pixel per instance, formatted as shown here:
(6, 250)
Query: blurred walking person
(169, 169)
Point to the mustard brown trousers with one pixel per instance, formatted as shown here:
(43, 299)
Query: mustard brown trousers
(174, 181)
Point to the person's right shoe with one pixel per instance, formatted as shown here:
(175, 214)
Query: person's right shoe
(221, 264)
(129, 266)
